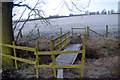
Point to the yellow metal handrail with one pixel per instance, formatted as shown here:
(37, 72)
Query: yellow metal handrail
(53, 45)
(18, 47)
(52, 52)
(61, 36)
(19, 59)
(78, 28)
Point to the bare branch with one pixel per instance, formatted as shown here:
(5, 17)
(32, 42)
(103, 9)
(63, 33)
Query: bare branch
(36, 11)
(61, 3)
(87, 4)
(72, 3)
(25, 21)
(19, 19)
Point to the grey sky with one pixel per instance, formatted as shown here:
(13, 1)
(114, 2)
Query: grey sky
(50, 8)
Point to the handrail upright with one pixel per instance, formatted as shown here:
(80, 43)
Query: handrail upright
(16, 65)
(65, 40)
(52, 43)
(37, 60)
(60, 41)
(87, 33)
(83, 57)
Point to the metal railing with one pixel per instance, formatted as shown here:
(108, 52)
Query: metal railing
(65, 38)
(72, 29)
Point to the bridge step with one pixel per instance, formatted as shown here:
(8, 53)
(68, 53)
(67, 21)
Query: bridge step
(67, 59)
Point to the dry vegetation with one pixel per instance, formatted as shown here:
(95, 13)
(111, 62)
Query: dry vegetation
(106, 52)
(101, 47)
(101, 61)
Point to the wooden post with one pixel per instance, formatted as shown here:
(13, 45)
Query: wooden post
(106, 30)
(83, 57)
(53, 57)
(26, 44)
(60, 41)
(61, 31)
(15, 55)
(87, 33)
(38, 33)
(37, 60)
(72, 31)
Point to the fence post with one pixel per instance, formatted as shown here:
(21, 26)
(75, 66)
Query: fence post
(38, 33)
(61, 31)
(15, 55)
(83, 57)
(72, 31)
(53, 57)
(106, 30)
(37, 60)
(26, 44)
(87, 33)
(60, 41)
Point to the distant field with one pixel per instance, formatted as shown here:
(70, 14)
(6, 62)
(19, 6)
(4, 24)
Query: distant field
(95, 22)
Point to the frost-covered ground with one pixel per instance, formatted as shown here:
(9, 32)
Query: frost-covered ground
(95, 22)
(104, 67)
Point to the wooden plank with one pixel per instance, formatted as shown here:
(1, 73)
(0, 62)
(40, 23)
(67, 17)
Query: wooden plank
(67, 59)
(60, 73)
(64, 59)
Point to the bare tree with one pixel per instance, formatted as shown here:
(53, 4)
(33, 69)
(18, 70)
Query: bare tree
(7, 30)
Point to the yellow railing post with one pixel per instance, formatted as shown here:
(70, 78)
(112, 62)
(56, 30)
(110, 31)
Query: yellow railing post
(69, 34)
(65, 40)
(83, 57)
(37, 60)
(60, 41)
(15, 55)
(53, 57)
(87, 33)
(106, 30)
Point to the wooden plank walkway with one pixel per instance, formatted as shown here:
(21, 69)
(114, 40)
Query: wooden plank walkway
(67, 59)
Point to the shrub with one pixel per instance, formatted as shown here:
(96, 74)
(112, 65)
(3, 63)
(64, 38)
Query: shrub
(100, 46)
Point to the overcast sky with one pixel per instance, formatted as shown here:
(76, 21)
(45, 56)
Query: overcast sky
(53, 7)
